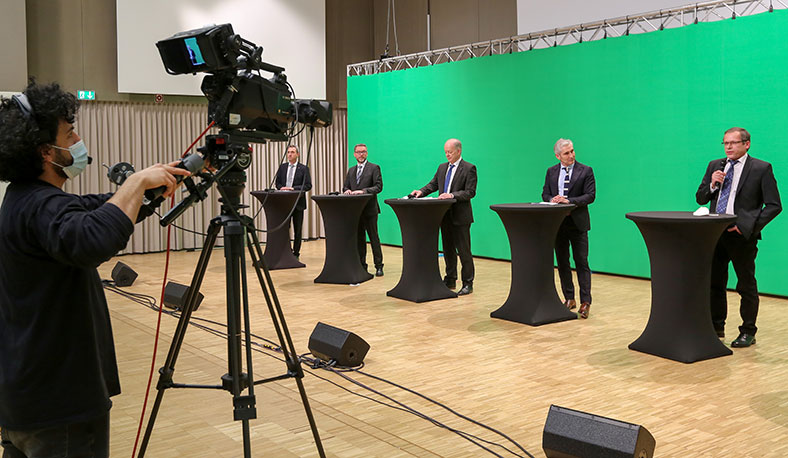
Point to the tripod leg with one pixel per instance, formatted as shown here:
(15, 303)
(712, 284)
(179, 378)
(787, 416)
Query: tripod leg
(166, 371)
(278, 319)
(235, 379)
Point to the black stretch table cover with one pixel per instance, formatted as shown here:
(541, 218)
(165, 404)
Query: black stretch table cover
(680, 248)
(277, 206)
(341, 214)
(420, 221)
(532, 229)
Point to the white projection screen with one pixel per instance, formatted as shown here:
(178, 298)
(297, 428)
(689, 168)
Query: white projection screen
(291, 32)
(540, 15)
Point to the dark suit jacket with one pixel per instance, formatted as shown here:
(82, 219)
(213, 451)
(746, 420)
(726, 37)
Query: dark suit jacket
(371, 182)
(301, 181)
(463, 187)
(757, 198)
(582, 191)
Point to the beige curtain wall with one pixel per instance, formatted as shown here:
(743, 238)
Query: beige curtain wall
(144, 134)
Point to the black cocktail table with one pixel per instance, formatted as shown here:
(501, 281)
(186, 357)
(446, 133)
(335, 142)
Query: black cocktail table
(341, 214)
(419, 221)
(277, 206)
(532, 229)
(680, 248)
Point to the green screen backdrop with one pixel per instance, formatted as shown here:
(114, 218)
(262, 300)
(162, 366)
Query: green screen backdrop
(647, 112)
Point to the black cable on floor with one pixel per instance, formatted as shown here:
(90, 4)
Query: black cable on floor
(314, 363)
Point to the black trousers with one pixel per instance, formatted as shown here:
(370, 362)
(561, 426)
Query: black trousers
(88, 439)
(369, 225)
(298, 223)
(456, 240)
(734, 248)
(569, 234)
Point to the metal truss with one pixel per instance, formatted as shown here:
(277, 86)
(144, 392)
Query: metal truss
(710, 11)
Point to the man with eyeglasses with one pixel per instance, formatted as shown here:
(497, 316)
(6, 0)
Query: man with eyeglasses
(570, 182)
(365, 178)
(745, 186)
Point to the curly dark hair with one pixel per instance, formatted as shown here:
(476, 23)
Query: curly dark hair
(21, 138)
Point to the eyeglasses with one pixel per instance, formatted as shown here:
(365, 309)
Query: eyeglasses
(732, 143)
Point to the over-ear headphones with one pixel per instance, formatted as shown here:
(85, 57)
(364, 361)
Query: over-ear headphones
(24, 106)
(27, 111)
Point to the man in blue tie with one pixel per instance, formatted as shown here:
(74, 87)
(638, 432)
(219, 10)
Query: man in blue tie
(745, 186)
(455, 179)
(570, 182)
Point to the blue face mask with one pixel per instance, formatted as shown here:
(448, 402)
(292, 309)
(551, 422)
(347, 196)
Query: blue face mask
(79, 152)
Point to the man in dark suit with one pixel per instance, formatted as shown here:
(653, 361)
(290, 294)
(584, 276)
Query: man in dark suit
(294, 176)
(455, 179)
(365, 178)
(570, 182)
(746, 187)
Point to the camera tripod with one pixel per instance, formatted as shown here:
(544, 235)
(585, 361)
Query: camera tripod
(237, 229)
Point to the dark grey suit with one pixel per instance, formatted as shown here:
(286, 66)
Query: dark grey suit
(574, 229)
(371, 182)
(302, 181)
(456, 224)
(756, 203)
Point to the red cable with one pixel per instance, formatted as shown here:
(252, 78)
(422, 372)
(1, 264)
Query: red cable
(161, 307)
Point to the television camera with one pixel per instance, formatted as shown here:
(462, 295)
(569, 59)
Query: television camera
(245, 106)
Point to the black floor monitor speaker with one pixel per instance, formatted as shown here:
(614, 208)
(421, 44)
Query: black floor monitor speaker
(570, 433)
(330, 343)
(175, 296)
(123, 275)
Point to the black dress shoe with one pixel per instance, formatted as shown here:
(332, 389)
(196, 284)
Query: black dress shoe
(466, 289)
(451, 284)
(744, 340)
(720, 333)
(379, 272)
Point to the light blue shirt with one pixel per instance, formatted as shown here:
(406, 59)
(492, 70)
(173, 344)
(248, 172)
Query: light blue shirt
(562, 176)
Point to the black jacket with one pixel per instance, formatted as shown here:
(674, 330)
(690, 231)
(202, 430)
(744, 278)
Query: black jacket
(463, 186)
(371, 182)
(582, 191)
(757, 197)
(302, 180)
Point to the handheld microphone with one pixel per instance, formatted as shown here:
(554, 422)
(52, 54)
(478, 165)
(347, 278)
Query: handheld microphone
(333, 193)
(721, 168)
(193, 163)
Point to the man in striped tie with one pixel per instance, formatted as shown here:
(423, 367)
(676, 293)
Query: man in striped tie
(745, 186)
(570, 182)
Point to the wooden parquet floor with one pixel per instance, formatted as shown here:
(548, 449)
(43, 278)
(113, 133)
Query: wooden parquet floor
(499, 373)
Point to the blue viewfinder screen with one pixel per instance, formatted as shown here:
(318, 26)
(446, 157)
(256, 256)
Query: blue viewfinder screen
(195, 56)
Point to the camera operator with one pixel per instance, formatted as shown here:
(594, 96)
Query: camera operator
(57, 358)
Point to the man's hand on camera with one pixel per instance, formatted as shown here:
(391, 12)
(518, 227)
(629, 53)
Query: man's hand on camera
(129, 196)
(160, 175)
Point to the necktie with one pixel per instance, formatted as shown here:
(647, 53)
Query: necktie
(359, 171)
(290, 175)
(725, 192)
(448, 178)
(565, 191)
